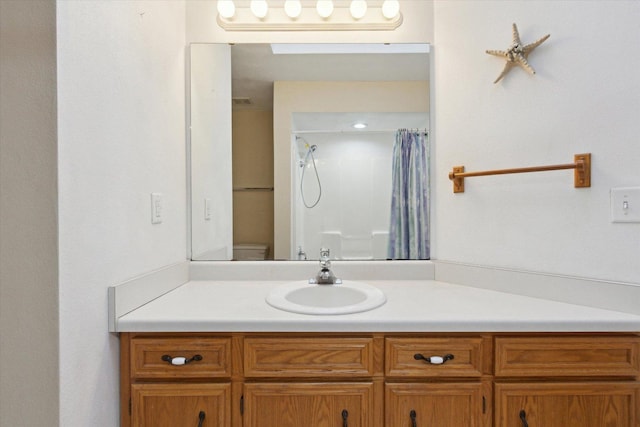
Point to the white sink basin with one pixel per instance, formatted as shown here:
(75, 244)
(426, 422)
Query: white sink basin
(345, 298)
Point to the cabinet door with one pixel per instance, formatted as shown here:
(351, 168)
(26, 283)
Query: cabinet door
(436, 405)
(611, 404)
(308, 405)
(180, 405)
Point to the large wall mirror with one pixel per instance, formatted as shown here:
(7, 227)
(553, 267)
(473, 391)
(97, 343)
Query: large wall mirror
(280, 163)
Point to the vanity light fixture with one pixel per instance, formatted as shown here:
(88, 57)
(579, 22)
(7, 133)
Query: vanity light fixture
(259, 8)
(226, 8)
(297, 15)
(293, 8)
(324, 8)
(358, 8)
(360, 125)
(390, 8)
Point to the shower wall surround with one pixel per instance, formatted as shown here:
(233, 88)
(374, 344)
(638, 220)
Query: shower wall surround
(354, 190)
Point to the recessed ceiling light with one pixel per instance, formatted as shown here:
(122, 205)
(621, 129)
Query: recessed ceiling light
(359, 125)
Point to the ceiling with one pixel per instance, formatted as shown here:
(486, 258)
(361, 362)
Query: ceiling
(343, 122)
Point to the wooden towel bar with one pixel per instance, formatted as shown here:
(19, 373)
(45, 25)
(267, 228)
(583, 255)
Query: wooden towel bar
(581, 166)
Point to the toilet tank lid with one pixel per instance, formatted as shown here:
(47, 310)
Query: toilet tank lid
(253, 246)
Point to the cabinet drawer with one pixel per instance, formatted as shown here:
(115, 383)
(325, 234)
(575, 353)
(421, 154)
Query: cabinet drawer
(404, 357)
(308, 357)
(210, 357)
(567, 356)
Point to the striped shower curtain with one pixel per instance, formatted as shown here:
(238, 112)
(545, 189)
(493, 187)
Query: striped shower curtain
(409, 229)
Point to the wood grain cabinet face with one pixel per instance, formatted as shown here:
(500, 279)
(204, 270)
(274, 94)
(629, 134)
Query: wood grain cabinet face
(173, 405)
(147, 357)
(434, 404)
(400, 357)
(308, 405)
(595, 404)
(296, 380)
(308, 357)
(568, 356)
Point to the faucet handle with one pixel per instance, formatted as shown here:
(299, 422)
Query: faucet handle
(324, 258)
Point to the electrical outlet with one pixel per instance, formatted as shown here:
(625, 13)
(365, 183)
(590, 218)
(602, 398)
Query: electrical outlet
(625, 204)
(156, 208)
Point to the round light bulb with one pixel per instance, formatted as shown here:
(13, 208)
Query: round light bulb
(259, 8)
(390, 8)
(324, 8)
(226, 8)
(359, 125)
(358, 8)
(293, 8)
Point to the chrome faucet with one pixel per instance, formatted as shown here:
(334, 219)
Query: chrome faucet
(325, 276)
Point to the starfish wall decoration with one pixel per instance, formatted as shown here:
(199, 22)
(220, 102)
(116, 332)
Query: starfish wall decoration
(517, 54)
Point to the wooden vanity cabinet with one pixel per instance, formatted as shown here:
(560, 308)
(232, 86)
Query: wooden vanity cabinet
(169, 380)
(438, 381)
(380, 380)
(567, 381)
(292, 381)
(171, 405)
(567, 404)
(309, 404)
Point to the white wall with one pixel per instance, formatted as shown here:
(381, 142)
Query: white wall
(28, 215)
(585, 97)
(121, 106)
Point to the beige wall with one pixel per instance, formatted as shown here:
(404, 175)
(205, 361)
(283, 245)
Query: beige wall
(28, 215)
(253, 168)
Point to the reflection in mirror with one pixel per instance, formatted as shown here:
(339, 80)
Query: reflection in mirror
(343, 182)
(301, 175)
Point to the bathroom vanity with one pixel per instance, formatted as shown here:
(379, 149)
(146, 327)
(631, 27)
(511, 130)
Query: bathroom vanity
(435, 354)
(293, 379)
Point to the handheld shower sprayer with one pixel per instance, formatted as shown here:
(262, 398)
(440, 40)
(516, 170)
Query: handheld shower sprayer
(310, 150)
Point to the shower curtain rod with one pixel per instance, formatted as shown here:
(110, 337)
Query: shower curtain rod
(306, 132)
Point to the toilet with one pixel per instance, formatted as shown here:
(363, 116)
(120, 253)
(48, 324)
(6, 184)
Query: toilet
(250, 251)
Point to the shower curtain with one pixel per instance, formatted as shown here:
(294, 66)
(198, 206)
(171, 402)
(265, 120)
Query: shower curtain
(409, 229)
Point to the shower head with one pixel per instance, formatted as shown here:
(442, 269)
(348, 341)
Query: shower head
(313, 147)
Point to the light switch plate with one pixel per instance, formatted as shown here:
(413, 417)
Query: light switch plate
(156, 208)
(625, 204)
(207, 209)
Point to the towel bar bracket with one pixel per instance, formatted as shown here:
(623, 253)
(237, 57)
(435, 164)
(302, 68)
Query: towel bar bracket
(582, 172)
(581, 175)
(458, 181)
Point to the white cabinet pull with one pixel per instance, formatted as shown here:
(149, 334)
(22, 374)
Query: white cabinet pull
(177, 361)
(434, 360)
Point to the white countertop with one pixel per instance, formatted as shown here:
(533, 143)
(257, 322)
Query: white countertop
(412, 306)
